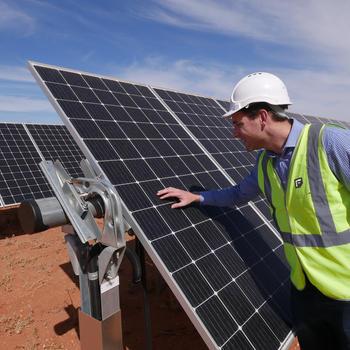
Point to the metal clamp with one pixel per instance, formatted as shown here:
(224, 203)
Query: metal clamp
(74, 196)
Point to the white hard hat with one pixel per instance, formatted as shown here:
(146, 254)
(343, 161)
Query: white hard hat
(258, 87)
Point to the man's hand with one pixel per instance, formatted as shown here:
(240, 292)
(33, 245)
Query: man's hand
(184, 197)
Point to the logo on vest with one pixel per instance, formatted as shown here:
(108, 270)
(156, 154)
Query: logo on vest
(298, 182)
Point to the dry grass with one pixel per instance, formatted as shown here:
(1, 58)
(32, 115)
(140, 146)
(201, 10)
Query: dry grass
(15, 324)
(5, 282)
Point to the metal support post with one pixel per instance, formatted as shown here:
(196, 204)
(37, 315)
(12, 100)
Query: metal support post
(140, 251)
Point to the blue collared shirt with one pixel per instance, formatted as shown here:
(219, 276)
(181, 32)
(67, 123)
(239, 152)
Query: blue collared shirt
(336, 142)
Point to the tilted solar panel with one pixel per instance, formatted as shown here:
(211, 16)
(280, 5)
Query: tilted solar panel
(22, 148)
(55, 142)
(225, 266)
(20, 176)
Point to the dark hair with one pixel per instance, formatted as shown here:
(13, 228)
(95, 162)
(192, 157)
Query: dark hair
(254, 108)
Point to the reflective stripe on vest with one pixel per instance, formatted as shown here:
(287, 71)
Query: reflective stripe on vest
(318, 193)
(316, 240)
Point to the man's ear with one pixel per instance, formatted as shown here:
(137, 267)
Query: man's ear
(263, 115)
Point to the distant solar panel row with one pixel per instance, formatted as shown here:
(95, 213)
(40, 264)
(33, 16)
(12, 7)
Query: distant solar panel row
(217, 261)
(317, 120)
(20, 176)
(55, 142)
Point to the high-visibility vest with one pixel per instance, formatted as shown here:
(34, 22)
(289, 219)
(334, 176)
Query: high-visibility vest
(312, 216)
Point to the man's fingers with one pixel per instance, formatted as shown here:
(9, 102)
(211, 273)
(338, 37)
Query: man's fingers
(167, 195)
(165, 191)
(159, 193)
(177, 205)
(184, 197)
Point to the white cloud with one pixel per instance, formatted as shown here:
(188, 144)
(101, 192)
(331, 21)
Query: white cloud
(321, 94)
(12, 18)
(15, 73)
(183, 75)
(314, 93)
(310, 34)
(16, 91)
(214, 16)
(316, 27)
(24, 104)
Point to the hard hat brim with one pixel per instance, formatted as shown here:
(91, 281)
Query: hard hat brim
(229, 114)
(277, 109)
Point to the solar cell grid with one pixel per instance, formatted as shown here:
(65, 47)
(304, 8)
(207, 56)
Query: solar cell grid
(224, 104)
(204, 122)
(198, 269)
(55, 142)
(20, 176)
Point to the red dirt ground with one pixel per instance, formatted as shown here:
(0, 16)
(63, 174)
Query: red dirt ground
(39, 300)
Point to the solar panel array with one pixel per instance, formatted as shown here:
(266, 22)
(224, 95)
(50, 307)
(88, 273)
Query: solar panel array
(216, 260)
(22, 147)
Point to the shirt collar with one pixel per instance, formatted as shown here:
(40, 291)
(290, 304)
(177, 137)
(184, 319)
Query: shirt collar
(294, 134)
(292, 138)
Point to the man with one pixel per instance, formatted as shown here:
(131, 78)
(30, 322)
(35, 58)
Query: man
(304, 172)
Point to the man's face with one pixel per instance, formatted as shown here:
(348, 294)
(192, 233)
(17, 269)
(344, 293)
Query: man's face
(248, 130)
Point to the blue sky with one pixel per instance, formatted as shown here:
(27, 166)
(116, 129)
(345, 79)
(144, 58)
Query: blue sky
(199, 46)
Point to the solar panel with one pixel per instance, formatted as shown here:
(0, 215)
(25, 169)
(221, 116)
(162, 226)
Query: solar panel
(306, 119)
(55, 142)
(22, 148)
(203, 117)
(303, 118)
(224, 104)
(20, 176)
(216, 260)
